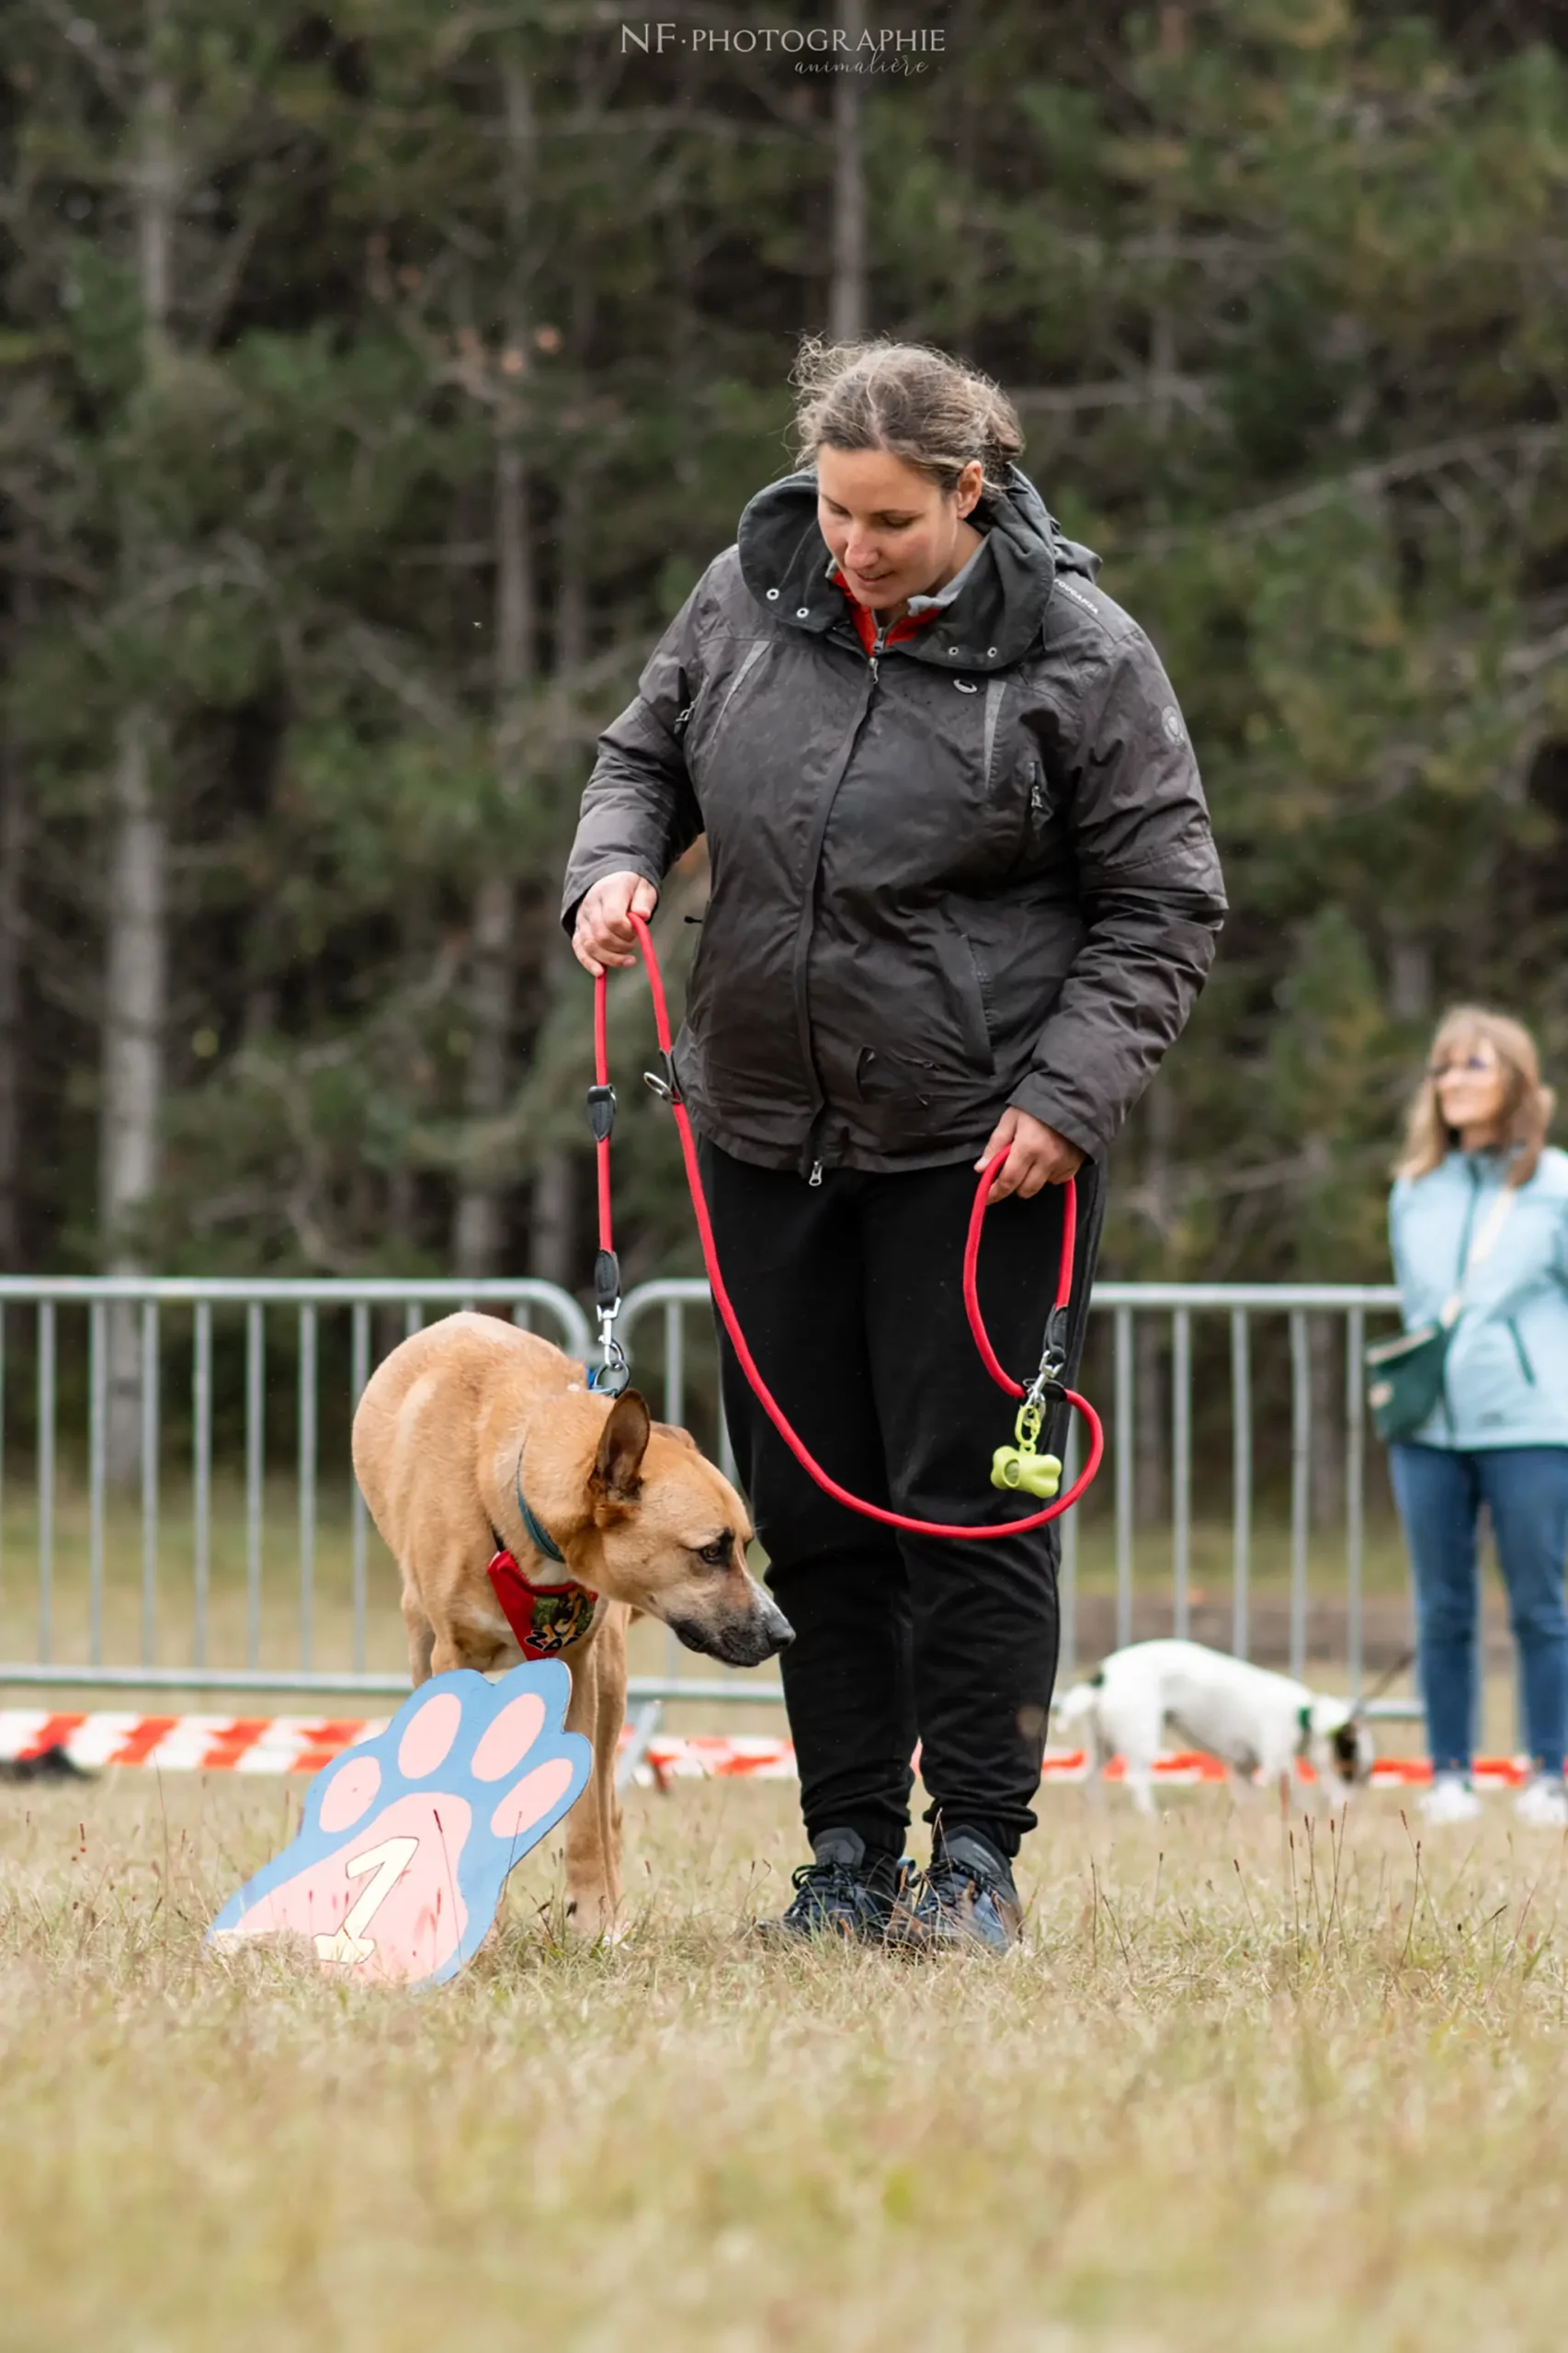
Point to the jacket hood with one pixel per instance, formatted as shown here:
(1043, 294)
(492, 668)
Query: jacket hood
(993, 620)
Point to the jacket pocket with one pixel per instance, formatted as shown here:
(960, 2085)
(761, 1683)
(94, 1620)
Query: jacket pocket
(685, 716)
(986, 991)
(709, 706)
(971, 982)
(1521, 1352)
(1032, 795)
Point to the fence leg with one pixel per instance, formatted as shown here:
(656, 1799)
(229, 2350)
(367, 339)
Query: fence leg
(644, 1724)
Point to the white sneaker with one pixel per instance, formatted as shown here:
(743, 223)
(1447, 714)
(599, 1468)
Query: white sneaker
(1543, 1802)
(1451, 1799)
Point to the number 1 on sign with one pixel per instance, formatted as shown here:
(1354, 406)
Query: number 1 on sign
(389, 1861)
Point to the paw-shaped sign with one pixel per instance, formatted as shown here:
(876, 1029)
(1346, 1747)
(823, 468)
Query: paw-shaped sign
(407, 1838)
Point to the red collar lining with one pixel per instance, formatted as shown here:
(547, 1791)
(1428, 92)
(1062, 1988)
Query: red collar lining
(866, 626)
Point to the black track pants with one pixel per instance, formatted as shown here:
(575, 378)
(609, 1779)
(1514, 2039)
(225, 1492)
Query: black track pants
(850, 1294)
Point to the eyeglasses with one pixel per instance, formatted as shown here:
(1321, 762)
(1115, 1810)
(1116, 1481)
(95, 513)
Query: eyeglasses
(1482, 1065)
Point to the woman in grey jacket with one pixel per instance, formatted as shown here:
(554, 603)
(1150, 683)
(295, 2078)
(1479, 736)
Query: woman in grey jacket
(1479, 1218)
(963, 896)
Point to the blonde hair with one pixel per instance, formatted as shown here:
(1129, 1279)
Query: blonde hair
(908, 398)
(1527, 1105)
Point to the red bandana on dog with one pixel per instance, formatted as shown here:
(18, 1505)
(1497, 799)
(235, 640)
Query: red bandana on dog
(543, 1617)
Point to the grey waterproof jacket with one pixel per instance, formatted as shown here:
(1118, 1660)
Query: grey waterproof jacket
(956, 865)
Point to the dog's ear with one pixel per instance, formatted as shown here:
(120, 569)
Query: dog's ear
(682, 1437)
(616, 1476)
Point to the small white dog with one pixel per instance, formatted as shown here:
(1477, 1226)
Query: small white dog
(1257, 1722)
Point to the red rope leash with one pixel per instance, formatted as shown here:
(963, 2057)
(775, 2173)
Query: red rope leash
(722, 1298)
(1003, 1380)
(602, 1140)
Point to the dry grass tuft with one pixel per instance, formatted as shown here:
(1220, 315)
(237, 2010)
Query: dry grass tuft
(1245, 2085)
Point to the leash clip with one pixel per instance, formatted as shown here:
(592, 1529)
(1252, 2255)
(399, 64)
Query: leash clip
(614, 1373)
(601, 1112)
(606, 1285)
(667, 1089)
(611, 1377)
(1047, 1385)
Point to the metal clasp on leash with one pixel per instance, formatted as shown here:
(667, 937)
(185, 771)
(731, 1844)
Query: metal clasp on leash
(611, 1377)
(1047, 1385)
(667, 1087)
(614, 1373)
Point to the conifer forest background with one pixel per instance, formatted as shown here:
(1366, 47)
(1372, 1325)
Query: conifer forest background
(376, 380)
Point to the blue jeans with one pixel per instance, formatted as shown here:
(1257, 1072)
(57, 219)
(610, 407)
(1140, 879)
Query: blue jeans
(1439, 1493)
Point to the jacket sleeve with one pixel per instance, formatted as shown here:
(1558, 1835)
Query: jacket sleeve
(639, 811)
(1151, 894)
(1397, 1197)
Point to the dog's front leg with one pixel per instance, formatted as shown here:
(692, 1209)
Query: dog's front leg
(420, 1633)
(597, 1710)
(1099, 1758)
(1330, 1790)
(1133, 1729)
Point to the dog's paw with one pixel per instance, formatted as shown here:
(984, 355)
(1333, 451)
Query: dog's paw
(407, 1838)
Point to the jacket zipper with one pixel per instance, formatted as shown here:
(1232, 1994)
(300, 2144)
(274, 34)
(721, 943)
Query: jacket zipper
(685, 715)
(813, 1145)
(809, 1158)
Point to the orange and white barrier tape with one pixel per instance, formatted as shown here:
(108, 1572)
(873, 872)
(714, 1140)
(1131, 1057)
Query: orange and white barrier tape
(304, 1744)
(183, 1744)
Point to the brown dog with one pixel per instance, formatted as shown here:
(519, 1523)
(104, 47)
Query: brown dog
(461, 1424)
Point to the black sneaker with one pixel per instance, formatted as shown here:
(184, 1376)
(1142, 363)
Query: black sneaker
(840, 1893)
(966, 1902)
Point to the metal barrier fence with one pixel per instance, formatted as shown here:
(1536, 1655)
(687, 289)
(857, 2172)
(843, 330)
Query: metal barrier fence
(1198, 1327)
(1183, 1308)
(126, 1318)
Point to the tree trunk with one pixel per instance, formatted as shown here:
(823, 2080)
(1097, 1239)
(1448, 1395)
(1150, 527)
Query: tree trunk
(135, 994)
(1153, 1388)
(13, 858)
(571, 589)
(1410, 987)
(478, 1233)
(135, 940)
(553, 1226)
(847, 304)
(479, 1225)
(1162, 326)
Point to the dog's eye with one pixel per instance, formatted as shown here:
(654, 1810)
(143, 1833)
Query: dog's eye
(717, 1554)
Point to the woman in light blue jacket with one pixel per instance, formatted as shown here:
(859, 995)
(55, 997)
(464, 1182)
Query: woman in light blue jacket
(1480, 1207)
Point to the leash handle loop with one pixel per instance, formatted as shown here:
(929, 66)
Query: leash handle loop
(613, 1374)
(763, 1395)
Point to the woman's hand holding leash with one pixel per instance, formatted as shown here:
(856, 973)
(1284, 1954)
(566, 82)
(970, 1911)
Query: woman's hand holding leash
(602, 935)
(1038, 1157)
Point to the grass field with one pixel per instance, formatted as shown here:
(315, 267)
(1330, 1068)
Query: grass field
(1245, 2085)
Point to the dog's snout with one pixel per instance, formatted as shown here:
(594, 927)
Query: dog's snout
(740, 1638)
(776, 1628)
